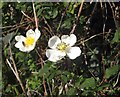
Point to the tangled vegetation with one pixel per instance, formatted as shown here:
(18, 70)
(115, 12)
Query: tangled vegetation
(94, 73)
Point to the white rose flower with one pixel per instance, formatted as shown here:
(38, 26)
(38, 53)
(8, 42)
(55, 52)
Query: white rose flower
(26, 44)
(61, 48)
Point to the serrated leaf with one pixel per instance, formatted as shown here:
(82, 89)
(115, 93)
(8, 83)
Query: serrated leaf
(88, 83)
(111, 71)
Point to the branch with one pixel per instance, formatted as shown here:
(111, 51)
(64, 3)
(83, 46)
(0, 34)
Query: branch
(79, 12)
(26, 16)
(62, 17)
(15, 71)
(42, 62)
(36, 22)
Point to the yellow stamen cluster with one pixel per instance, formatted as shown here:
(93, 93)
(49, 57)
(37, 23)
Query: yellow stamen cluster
(61, 46)
(29, 41)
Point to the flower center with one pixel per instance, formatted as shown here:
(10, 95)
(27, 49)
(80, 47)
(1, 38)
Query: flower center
(29, 41)
(62, 46)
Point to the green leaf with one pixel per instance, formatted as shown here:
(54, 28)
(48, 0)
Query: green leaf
(88, 93)
(65, 4)
(88, 83)
(67, 23)
(46, 69)
(38, 7)
(103, 86)
(72, 7)
(111, 71)
(21, 6)
(116, 36)
(55, 13)
(50, 12)
(78, 81)
(64, 78)
(82, 19)
(71, 91)
(39, 12)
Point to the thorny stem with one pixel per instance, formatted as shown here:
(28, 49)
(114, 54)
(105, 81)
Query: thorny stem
(79, 12)
(36, 22)
(44, 85)
(15, 71)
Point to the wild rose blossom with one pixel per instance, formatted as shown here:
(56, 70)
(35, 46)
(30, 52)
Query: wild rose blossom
(62, 47)
(27, 44)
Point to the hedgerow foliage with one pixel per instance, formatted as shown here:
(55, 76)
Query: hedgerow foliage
(95, 73)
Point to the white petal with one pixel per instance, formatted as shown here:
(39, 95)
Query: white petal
(31, 48)
(30, 33)
(19, 44)
(27, 49)
(19, 38)
(37, 34)
(65, 38)
(23, 49)
(70, 40)
(54, 55)
(53, 42)
(73, 52)
(73, 39)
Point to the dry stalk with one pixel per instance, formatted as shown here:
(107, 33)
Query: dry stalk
(42, 63)
(15, 71)
(79, 12)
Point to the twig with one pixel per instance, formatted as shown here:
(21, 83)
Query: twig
(15, 71)
(79, 12)
(62, 17)
(105, 19)
(48, 25)
(50, 89)
(16, 27)
(11, 26)
(91, 37)
(113, 14)
(42, 62)
(36, 22)
(26, 16)
(117, 80)
(11, 68)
